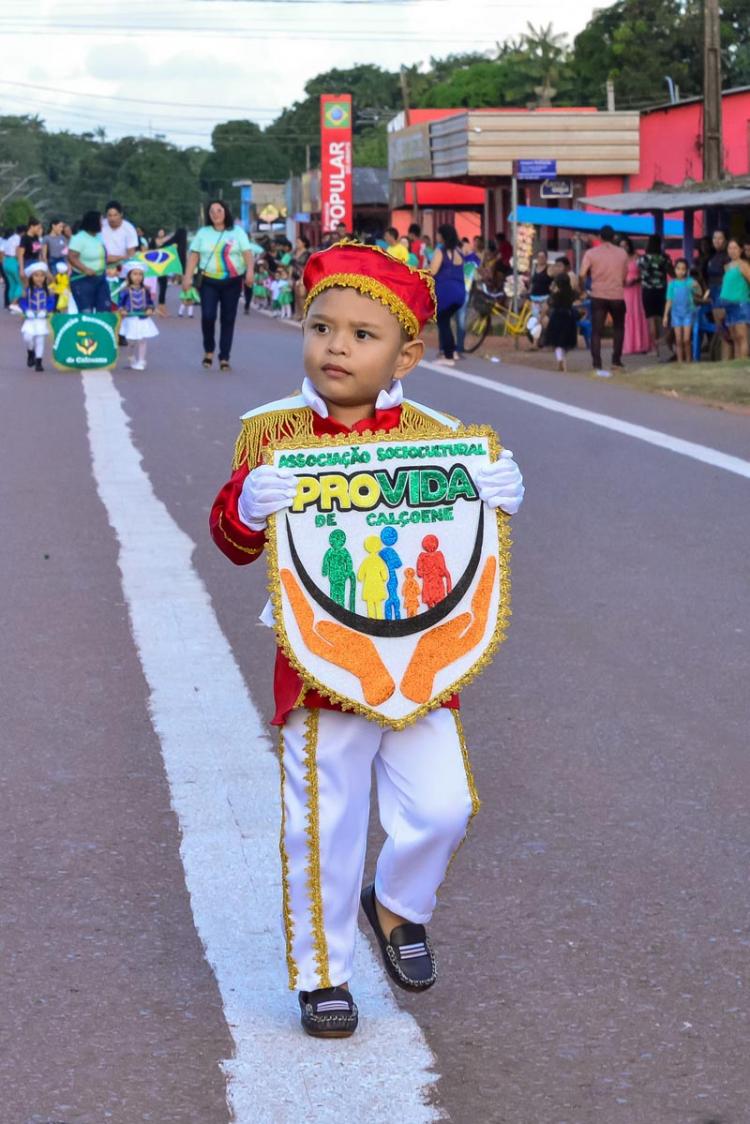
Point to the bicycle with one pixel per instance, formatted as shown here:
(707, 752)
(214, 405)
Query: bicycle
(479, 319)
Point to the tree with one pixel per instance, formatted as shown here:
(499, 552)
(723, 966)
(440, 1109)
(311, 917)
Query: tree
(157, 187)
(532, 70)
(16, 212)
(241, 150)
(637, 43)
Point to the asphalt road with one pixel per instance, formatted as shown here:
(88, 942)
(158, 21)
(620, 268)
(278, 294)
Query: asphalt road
(593, 934)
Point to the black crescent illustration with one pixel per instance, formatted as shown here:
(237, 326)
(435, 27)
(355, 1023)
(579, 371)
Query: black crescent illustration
(372, 626)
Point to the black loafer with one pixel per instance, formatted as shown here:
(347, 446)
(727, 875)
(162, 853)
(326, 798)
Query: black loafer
(408, 956)
(329, 1012)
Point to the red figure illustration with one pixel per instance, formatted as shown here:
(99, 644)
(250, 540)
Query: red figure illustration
(410, 593)
(431, 568)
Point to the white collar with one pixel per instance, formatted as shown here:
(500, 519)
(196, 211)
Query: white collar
(386, 400)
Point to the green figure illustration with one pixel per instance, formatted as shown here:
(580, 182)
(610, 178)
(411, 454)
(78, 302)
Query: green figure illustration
(373, 573)
(338, 568)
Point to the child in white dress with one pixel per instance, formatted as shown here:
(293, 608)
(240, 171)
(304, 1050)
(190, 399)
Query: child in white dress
(137, 303)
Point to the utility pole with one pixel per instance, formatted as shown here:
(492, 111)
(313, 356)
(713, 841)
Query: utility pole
(712, 138)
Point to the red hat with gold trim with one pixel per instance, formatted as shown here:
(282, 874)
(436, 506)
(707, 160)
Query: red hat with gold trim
(407, 292)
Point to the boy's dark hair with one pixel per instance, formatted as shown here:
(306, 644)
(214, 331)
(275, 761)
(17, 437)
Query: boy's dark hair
(684, 261)
(564, 261)
(393, 232)
(228, 217)
(304, 240)
(114, 205)
(32, 221)
(607, 234)
(91, 223)
(415, 230)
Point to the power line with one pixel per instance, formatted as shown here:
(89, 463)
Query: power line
(141, 101)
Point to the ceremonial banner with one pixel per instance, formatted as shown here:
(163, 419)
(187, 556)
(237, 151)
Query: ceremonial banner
(390, 579)
(336, 160)
(163, 263)
(85, 341)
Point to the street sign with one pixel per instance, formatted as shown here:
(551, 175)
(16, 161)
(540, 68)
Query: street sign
(556, 189)
(535, 169)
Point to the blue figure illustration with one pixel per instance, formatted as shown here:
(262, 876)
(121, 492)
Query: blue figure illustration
(388, 536)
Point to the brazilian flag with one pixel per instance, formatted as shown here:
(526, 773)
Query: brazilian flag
(164, 262)
(337, 114)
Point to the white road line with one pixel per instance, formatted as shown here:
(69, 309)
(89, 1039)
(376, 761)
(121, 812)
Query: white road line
(224, 785)
(702, 453)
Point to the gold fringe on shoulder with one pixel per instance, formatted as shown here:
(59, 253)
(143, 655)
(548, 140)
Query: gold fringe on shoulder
(268, 429)
(420, 424)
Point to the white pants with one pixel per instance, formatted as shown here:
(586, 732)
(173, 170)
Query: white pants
(426, 798)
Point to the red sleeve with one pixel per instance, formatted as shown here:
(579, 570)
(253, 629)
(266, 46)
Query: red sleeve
(233, 538)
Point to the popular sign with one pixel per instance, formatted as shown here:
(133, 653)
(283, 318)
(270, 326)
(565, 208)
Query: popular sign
(389, 577)
(85, 341)
(336, 160)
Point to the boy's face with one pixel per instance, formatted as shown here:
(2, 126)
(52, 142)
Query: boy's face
(354, 347)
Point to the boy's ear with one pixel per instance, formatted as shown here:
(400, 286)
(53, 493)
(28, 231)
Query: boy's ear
(411, 353)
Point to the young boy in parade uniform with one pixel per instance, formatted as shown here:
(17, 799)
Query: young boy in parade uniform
(364, 312)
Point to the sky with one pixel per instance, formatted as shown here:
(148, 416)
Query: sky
(178, 67)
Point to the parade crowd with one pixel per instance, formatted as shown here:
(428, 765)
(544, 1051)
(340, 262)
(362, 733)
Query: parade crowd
(656, 302)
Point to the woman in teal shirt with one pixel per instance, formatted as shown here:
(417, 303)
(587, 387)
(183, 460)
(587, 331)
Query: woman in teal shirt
(735, 297)
(222, 250)
(88, 263)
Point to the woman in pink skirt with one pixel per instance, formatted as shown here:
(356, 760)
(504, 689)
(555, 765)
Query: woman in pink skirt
(637, 339)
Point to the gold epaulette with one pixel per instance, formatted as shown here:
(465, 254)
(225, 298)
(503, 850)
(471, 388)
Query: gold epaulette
(285, 420)
(290, 419)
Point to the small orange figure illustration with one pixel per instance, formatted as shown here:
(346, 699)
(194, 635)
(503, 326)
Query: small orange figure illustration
(410, 592)
(373, 574)
(431, 568)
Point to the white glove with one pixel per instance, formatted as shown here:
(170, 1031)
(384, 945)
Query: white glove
(500, 484)
(266, 489)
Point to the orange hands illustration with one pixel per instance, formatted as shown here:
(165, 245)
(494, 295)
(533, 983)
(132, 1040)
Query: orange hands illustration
(340, 646)
(448, 642)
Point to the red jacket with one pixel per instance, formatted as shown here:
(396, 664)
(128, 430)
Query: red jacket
(242, 545)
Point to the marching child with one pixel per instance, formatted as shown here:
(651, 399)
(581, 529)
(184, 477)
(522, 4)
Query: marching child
(37, 305)
(679, 311)
(60, 286)
(364, 313)
(284, 294)
(261, 292)
(137, 303)
(189, 298)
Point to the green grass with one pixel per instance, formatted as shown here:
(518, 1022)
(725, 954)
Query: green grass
(723, 383)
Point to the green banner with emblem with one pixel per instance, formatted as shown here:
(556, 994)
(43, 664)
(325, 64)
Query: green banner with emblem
(86, 341)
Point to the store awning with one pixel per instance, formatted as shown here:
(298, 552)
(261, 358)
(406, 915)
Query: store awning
(678, 200)
(592, 223)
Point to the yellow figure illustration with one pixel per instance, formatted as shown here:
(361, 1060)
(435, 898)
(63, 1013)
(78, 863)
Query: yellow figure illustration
(373, 574)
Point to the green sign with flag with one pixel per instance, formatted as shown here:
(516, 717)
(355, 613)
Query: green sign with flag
(337, 114)
(86, 341)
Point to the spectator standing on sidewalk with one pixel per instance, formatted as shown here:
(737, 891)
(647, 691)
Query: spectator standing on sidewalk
(637, 338)
(655, 269)
(447, 267)
(608, 266)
